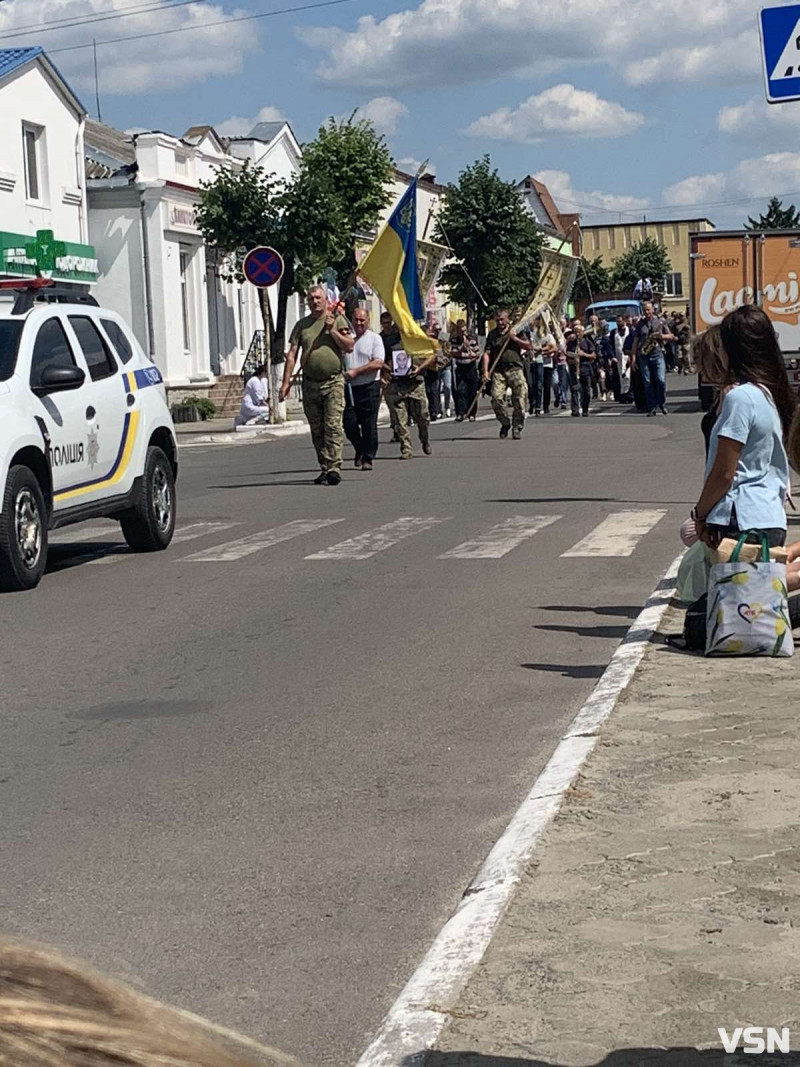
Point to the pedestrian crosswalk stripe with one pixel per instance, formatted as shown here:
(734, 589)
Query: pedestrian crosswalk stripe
(377, 540)
(617, 535)
(230, 551)
(500, 540)
(190, 532)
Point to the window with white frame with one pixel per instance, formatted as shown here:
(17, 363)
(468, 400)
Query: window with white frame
(186, 295)
(181, 164)
(32, 155)
(673, 284)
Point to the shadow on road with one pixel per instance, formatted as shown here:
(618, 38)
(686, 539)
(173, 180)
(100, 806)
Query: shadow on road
(579, 500)
(627, 1057)
(586, 631)
(618, 610)
(63, 556)
(571, 670)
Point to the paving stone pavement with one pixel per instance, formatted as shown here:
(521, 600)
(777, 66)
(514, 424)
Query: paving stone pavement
(664, 901)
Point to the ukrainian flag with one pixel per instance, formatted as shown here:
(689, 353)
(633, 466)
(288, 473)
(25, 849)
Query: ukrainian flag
(390, 267)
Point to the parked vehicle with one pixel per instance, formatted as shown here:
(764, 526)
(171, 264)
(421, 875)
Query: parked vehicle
(732, 268)
(611, 309)
(85, 431)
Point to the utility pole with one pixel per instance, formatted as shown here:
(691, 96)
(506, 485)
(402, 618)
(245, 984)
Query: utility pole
(96, 81)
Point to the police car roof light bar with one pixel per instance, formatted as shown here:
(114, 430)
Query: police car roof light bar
(45, 290)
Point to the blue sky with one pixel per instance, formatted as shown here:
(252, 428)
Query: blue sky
(618, 114)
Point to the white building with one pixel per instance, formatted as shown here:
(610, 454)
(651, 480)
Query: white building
(155, 269)
(43, 217)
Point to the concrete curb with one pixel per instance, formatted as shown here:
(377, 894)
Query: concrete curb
(296, 428)
(246, 436)
(419, 1014)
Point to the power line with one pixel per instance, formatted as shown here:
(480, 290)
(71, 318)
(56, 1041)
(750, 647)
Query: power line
(84, 20)
(205, 25)
(638, 212)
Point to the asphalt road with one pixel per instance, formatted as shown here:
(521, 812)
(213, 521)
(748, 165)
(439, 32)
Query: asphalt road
(258, 785)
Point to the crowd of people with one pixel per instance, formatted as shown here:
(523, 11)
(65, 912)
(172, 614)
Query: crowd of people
(348, 369)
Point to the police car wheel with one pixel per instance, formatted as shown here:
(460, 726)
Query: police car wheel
(150, 524)
(23, 531)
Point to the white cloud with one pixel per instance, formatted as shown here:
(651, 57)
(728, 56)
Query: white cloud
(777, 173)
(385, 112)
(593, 206)
(166, 61)
(760, 123)
(724, 59)
(481, 40)
(236, 126)
(562, 111)
(701, 188)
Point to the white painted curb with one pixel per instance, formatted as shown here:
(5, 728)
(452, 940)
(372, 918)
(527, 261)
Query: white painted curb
(412, 1026)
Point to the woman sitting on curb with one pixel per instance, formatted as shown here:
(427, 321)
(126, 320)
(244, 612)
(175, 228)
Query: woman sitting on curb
(747, 470)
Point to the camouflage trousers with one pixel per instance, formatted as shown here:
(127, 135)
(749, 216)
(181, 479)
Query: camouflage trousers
(513, 379)
(323, 405)
(397, 393)
(685, 365)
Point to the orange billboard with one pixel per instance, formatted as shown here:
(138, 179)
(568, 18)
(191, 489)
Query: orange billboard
(729, 270)
(722, 274)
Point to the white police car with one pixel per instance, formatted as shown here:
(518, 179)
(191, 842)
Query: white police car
(85, 431)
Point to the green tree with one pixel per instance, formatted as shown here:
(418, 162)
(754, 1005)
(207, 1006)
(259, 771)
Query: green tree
(339, 190)
(647, 259)
(777, 217)
(485, 223)
(593, 278)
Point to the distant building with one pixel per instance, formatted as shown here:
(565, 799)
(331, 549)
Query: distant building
(562, 230)
(43, 210)
(611, 240)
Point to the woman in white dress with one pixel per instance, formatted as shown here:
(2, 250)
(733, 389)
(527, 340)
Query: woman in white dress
(255, 402)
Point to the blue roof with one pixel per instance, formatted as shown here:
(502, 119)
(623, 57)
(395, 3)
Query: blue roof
(11, 58)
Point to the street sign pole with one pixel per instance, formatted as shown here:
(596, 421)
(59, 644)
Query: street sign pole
(263, 267)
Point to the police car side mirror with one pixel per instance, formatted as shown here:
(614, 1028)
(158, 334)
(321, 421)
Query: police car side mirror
(56, 379)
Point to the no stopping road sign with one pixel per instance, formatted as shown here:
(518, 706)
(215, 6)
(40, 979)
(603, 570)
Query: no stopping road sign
(262, 266)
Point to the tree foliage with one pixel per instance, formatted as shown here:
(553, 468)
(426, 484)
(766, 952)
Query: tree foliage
(777, 217)
(496, 239)
(593, 278)
(340, 189)
(647, 259)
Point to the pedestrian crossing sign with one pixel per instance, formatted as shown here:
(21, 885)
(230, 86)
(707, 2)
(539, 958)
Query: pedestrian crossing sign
(780, 52)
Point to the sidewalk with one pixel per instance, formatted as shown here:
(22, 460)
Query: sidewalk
(664, 900)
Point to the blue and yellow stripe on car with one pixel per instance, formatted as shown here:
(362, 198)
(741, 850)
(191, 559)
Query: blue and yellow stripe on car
(119, 467)
(132, 382)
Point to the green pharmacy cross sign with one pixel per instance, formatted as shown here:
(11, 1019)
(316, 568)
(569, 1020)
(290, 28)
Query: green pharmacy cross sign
(43, 256)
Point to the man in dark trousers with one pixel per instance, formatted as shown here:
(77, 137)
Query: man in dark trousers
(362, 390)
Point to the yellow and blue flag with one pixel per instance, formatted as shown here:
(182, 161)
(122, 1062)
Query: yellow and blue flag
(390, 267)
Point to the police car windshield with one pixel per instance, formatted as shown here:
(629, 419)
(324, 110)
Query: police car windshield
(10, 333)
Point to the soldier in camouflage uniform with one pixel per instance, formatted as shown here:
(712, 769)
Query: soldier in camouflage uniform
(407, 391)
(502, 359)
(323, 336)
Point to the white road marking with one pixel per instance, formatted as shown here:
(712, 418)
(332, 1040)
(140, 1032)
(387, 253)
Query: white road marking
(500, 540)
(189, 532)
(377, 540)
(246, 546)
(419, 1014)
(617, 535)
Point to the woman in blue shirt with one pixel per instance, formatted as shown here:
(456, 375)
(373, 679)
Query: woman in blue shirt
(747, 472)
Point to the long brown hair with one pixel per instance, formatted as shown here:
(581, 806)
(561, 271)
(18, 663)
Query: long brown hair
(58, 1013)
(754, 355)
